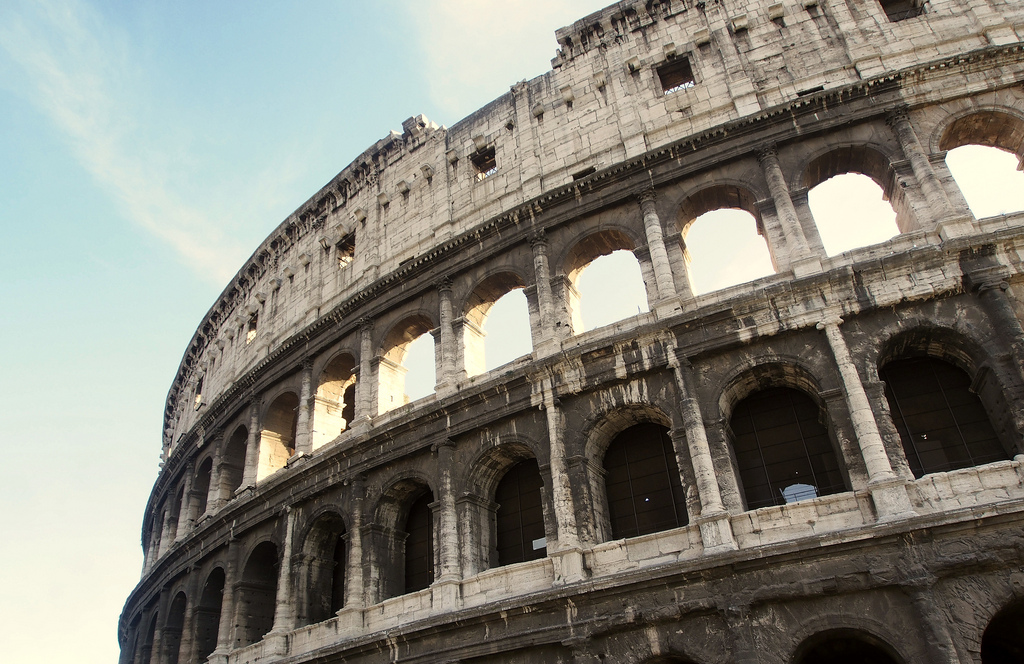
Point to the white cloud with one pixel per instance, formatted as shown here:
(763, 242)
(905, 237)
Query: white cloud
(475, 50)
(77, 70)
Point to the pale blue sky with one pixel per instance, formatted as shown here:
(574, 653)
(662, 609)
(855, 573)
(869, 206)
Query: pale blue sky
(146, 148)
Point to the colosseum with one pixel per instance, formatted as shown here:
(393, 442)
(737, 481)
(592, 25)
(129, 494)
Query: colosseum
(825, 464)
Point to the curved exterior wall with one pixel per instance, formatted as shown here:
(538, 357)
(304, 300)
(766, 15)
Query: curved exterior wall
(263, 464)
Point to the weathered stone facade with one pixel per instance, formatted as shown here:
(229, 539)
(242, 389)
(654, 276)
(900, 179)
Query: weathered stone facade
(280, 527)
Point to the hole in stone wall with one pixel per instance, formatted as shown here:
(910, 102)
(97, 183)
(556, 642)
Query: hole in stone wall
(485, 163)
(988, 178)
(610, 289)
(676, 75)
(850, 211)
(899, 10)
(347, 249)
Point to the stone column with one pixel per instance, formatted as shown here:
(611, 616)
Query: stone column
(213, 499)
(992, 293)
(185, 519)
(448, 537)
(549, 315)
(796, 244)
(355, 593)
(656, 244)
(888, 491)
(284, 606)
(899, 121)
(715, 527)
(169, 529)
(225, 635)
(933, 623)
(366, 387)
(448, 374)
(252, 445)
(303, 442)
(567, 557)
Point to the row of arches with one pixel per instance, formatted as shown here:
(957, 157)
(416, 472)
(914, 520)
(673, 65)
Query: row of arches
(720, 230)
(779, 433)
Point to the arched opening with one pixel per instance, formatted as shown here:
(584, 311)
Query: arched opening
(1003, 640)
(254, 613)
(403, 542)
(173, 628)
(605, 281)
(334, 407)
(519, 518)
(849, 197)
(176, 520)
(407, 369)
(645, 494)
(783, 451)
(419, 544)
(496, 324)
(324, 567)
(156, 535)
(146, 649)
(232, 464)
(845, 647)
(277, 439)
(208, 615)
(723, 243)
(989, 178)
(942, 424)
(201, 486)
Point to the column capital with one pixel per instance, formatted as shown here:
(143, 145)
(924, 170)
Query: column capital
(538, 239)
(897, 115)
(444, 443)
(307, 362)
(767, 151)
(829, 320)
(365, 324)
(647, 197)
(444, 285)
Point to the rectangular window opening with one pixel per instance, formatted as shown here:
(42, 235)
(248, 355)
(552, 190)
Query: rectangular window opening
(676, 75)
(250, 330)
(898, 10)
(347, 249)
(584, 173)
(485, 163)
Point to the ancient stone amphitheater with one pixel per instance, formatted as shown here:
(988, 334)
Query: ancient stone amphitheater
(822, 465)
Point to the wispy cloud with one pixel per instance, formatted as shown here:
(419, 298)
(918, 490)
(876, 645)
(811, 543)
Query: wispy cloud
(475, 50)
(78, 70)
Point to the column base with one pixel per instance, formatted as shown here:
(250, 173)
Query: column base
(218, 656)
(446, 594)
(568, 566)
(670, 306)
(806, 265)
(716, 532)
(275, 644)
(350, 620)
(892, 503)
(955, 227)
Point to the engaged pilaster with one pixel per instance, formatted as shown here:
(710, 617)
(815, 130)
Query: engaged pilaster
(303, 442)
(798, 256)
(656, 244)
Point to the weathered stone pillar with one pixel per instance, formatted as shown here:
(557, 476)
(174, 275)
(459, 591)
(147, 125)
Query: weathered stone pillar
(992, 294)
(549, 315)
(185, 518)
(797, 250)
(303, 441)
(656, 245)
(448, 374)
(225, 629)
(252, 446)
(355, 593)
(744, 647)
(213, 499)
(567, 556)
(933, 623)
(284, 605)
(366, 387)
(187, 633)
(888, 491)
(448, 538)
(899, 121)
(169, 528)
(715, 527)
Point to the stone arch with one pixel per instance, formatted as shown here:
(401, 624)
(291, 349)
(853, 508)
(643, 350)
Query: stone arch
(232, 462)
(612, 428)
(404, 559)
(1002, 642)
(391, 371)
(478, 305)
(944, 402)
(174, 626)
(483, 511)
(201, 486)
(256, 596)
(584, 251)
(997, 127)
(277, 438)
(207, 614)
(176, 516)
(780, 436)
(699, 253)
(870, 160)
(148, 641)
(334, 405)
(845, 646)
(324, 567)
